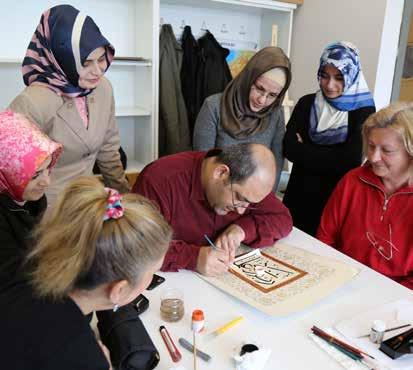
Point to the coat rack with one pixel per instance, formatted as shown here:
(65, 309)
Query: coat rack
(221, 35)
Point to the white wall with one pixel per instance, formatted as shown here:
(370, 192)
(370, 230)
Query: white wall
(388, 52)
(319, 22)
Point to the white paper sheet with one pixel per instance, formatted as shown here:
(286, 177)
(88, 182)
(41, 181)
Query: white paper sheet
(393, 314)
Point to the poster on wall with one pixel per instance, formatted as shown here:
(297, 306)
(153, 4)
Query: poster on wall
(237, 59)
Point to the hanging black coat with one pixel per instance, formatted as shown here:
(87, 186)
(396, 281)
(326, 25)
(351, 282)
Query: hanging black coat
(213, 73)
(188, 74)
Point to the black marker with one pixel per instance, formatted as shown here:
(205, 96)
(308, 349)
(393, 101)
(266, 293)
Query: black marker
(184, 343)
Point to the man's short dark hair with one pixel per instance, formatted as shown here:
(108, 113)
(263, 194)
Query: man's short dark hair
(239, 159)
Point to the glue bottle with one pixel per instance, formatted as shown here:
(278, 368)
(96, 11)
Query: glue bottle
(377, 331)
(198, 321)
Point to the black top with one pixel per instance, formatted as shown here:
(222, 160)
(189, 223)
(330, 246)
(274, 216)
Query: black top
(317, 168)
(16, 224)
(188, 74)
(43, 335)
(213, 73)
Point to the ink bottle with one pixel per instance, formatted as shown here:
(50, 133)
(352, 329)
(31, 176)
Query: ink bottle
(377, 331)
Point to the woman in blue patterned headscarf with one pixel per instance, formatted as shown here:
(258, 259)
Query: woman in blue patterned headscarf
(323, 138)
(69, 98)
(59, 48)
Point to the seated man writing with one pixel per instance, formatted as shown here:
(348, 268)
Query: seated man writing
(224, 194)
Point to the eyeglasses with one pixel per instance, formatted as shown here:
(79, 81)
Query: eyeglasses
(242, 204)
(383, 246)
(269, 96)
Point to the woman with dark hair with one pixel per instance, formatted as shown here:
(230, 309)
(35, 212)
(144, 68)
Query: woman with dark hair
(323, 138)
(69, 98)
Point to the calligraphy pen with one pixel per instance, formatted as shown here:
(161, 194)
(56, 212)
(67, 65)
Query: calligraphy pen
(329, 338)
(387, 330)
(211, 243)
(348, 353)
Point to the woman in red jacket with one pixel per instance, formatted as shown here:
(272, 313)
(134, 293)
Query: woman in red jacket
(370, 213)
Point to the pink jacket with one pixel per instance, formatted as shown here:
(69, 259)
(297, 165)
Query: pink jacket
(375, 229)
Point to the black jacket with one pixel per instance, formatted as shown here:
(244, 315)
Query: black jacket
(213, 73)
(41, 334)
(317, 168)
(188, 74)
(16, 224)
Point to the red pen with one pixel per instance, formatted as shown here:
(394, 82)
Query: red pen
(170, 345)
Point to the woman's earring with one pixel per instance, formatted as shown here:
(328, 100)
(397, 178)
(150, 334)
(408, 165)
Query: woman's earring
(115, 307)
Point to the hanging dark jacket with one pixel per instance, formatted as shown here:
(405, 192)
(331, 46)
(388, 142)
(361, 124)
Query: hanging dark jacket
(213, 73)
(173, 123)
(16, 225)
(188, 75)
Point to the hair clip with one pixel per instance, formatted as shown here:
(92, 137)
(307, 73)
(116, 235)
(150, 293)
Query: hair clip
(114, 207)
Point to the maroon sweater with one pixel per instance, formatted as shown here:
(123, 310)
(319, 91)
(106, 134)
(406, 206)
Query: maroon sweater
(174, 183)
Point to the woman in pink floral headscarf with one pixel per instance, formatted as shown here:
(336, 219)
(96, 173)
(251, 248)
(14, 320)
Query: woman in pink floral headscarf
(26, 157)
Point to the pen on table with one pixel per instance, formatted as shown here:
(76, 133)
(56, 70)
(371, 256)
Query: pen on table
(354, 356)
(350, 354)
(211, 243)
(331, 339)
(170, 345)
(227, 326)
(387, 330)
(184, 343)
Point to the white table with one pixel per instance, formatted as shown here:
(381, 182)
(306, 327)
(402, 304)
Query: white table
(286, 336)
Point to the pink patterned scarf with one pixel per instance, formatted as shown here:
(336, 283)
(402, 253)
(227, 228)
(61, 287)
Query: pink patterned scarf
(23, 149)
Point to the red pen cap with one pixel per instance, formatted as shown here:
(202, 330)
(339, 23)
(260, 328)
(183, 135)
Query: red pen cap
(170, 345)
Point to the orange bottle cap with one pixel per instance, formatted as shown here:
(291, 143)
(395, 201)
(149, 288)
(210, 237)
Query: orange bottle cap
(197, 315)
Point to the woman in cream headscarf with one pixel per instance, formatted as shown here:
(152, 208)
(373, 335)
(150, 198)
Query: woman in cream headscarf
(249, 109)
(323, 138)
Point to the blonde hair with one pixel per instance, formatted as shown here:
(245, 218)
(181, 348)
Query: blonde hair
(76, 249)
(397, 117)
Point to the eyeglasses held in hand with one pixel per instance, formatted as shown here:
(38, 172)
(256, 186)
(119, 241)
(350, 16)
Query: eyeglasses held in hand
(383, 246)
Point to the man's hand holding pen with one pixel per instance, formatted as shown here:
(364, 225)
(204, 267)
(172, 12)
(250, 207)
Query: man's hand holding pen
(212, 262)
(216, 259)
(230, 240)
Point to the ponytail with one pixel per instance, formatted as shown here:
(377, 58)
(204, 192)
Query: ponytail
(78, 247)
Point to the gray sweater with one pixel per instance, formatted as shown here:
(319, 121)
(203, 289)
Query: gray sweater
(208, 132)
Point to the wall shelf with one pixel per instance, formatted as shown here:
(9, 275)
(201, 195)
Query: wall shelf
(131, 112)
(122, 62)
(11, 60)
